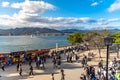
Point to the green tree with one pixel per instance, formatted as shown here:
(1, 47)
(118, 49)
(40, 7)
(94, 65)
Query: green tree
(116, 37)
(75, 38)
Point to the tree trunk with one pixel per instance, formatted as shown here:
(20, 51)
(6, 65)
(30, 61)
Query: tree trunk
(99, 52)
(118, 51)
(117, 54)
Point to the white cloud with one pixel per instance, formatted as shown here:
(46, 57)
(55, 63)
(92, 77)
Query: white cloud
(27, 9)
(103, 21)
(94, 4)
(29, 16)
(28, 20)
(33, 6)
(7, 21)
(34, 20)
(5, 4)
(115, 6)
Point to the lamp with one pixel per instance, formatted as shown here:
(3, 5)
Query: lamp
(108, 42)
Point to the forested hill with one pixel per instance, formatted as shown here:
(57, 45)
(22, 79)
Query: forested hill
(87, 30)
(35, 31)
(27, 31)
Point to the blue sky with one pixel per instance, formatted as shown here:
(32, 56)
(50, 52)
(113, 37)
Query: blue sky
(60, 14)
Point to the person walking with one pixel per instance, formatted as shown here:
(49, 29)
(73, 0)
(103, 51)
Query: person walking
(99, 72)
(68, 58)
(100, 64)
(18, 66)
(71, 56)
(42, 64)
(3, 65)
(54, 63)
(20, 70)
(77, 58)
(59, 63)
(52, 76)
(31, 70)
(62, 75)
(83, 62)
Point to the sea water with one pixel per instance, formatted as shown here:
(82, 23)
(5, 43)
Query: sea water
(21, 43)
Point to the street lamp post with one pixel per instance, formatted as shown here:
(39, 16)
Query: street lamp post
(108, 42)
(56, 47)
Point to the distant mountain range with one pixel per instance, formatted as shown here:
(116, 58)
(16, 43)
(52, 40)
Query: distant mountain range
(74, 30)
(82, 31)
(27, 31)
(35, 31)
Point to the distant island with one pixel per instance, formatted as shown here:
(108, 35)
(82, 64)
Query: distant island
(42, 31)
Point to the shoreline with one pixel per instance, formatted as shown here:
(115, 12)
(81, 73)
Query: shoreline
(59, 48)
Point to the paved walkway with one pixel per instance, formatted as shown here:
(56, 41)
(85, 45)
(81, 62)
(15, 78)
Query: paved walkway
(72, 72)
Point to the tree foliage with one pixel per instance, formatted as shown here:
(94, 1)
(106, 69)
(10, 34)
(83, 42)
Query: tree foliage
(95, 39)
(116, 37)
(75, 38)
(105, 33)
(89, 35)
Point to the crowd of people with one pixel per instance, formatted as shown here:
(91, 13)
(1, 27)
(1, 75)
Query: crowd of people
(99, 73)
(40, 60)
(56, 59)
(71, 55)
